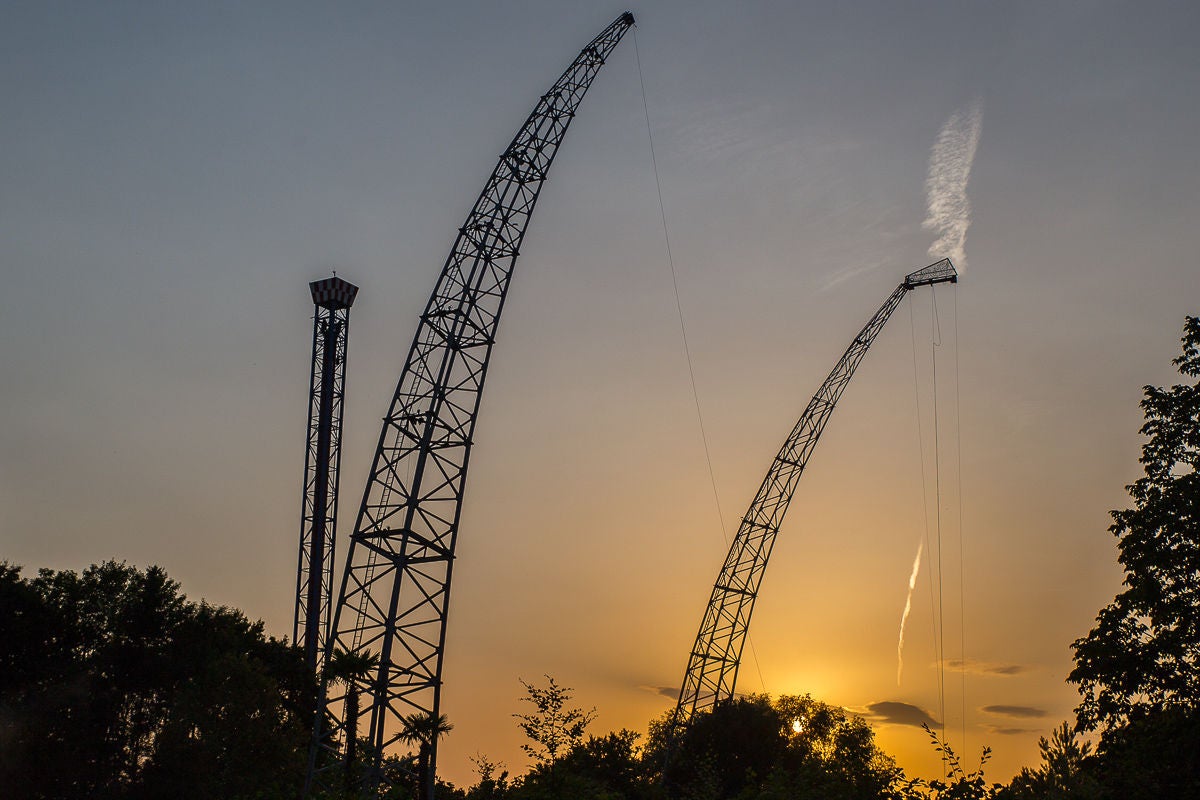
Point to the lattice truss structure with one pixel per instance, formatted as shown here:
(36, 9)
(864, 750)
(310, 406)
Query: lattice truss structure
(332, 298)
(715, 657)
(396, 587)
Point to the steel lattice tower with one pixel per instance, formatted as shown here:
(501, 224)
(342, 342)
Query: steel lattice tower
(332, 298)
(396, 587)
(713, 663)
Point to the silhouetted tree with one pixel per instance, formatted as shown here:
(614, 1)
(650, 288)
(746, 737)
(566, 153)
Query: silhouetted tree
(751, 747)
(113, 685)
(1066, 771)
(423, 730)
(725, 751)
(350, 668)
(958, 783)
(552, 728)
(1138, 670)
(602, 768)
(1143, 656)
(830, 753)
(1156, 755)
(493, 779)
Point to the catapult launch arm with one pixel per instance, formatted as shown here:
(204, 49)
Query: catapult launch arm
(395, 590)
(714, 660)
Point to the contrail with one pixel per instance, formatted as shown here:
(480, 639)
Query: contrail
(949, 211)
(912, 583)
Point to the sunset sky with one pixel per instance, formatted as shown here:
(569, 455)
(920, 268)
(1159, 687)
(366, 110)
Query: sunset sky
(173, 175)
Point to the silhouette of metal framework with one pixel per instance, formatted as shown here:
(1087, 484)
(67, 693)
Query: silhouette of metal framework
(332, 298)
(396, 586)
(713, 663)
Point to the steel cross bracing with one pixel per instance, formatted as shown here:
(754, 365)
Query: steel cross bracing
(332, 299)
(713, 663)
(396, 586)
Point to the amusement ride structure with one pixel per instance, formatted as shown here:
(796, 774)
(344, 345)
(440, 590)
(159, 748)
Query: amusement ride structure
(390, 616)
(395, 590)
(715, 657)
(332, 298)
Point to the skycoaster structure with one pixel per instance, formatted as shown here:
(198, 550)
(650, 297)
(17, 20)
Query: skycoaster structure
(713, 663)
(395, 591)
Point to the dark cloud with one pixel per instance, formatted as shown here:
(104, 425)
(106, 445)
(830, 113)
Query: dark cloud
(985, 668)
(1005, 669)
(1014, 711)
(1010, 731)
(897, 713)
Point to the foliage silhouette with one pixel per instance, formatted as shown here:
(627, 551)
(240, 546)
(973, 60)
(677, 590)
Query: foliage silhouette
(1143, 655)
(606, 767)
(751, 747)
(350, 668)
(1064, 774)
(552, 728)
(114, 685)
(958, 783)
(422, 730)
(493, 781)
(1157, 755)
(1138, 670)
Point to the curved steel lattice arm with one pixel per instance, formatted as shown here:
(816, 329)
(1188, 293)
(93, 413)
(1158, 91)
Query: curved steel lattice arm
(713, 663)
(396, 587)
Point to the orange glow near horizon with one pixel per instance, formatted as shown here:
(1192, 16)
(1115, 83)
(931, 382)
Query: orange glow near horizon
(164, 216)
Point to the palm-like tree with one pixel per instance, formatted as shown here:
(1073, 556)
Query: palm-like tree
(350, 668)
(423, 730)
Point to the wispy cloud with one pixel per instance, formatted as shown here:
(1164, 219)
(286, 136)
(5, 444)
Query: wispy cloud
(985, 667)
(739, 131)
(894, 712)
(669, 692)
(846, 273)
(949, 210)
(1015, 711)
(912, 584)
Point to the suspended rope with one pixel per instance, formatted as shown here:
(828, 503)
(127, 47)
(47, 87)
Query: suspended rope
(936, 342)
(683, 330)
(924, 487)
(923, 542)
(962, 614)
(962, 625)
(937, 633)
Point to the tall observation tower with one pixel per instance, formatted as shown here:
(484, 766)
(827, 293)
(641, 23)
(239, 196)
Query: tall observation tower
(318, 517)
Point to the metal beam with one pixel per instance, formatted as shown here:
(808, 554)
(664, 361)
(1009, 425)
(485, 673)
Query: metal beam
(717, 653)
(332, 298)
(395, 591)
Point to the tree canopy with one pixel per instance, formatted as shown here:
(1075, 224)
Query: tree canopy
(114, 685)
(553, 727)
(794, 746)
(1143, 655)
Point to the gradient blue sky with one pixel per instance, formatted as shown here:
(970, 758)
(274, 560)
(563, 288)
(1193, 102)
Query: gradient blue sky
(172, 175)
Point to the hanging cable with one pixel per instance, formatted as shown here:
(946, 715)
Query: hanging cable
(938, 654)
(712, 477)
(912, 325)
(962, 614)
(936, 343)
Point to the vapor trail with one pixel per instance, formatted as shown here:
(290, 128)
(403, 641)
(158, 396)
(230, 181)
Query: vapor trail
(912, 583)
(949, 210)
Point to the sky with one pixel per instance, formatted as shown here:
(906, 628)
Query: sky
(174, 174)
